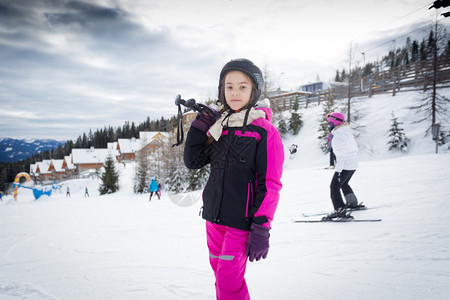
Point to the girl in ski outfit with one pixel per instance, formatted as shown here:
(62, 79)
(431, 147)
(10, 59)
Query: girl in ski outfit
(346, 151)
(246, 156)
(153, 188)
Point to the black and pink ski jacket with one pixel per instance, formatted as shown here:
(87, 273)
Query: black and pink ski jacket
(246, 169)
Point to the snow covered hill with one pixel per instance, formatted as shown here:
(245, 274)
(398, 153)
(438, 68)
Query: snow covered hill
(122, 246)
(371, 128)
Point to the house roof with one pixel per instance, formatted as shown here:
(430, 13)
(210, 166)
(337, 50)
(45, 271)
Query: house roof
(67, 163)
(91, 155)
(325, 84)
(56, 164)
(148, 136)
(145, 137)
(42, 167)
(129, 145)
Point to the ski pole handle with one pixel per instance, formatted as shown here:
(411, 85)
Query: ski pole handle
(190, 103)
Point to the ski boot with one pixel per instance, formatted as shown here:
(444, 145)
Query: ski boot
(359, 206)
(340, 215)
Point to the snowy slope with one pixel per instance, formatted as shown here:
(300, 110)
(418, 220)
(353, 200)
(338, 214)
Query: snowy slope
(122, 246)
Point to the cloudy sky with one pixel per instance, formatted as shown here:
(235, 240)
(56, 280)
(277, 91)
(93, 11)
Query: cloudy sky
(70, 66)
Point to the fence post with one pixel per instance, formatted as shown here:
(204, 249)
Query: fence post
(394, 85)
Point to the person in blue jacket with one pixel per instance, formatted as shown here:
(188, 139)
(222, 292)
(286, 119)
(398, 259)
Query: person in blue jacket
(153, 188)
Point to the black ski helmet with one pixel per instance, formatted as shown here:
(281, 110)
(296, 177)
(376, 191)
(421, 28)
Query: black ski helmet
(249, 68)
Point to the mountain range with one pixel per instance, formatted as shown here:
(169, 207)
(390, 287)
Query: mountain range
(13, 150)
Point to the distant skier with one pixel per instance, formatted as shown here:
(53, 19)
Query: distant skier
(346, 151)
(159, 189)
(153, 188)
(68, 192)
(86, 192)
(293, 150)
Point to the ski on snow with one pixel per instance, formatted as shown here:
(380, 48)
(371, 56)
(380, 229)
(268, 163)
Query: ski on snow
(323, 213)
(345, 220)
(347, 217)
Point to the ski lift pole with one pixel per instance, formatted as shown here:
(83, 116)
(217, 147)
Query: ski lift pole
(435, 131)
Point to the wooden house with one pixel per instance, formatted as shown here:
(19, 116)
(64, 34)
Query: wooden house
(127, 148)
(151, 140)
(56, 169)
(42, 172)
(68, 166)
(148, 141)
(89, 159)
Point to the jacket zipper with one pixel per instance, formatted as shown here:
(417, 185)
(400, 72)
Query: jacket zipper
(249, 198)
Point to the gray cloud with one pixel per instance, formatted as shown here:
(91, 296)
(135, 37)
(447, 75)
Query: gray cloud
(69, 59)
(70, 66)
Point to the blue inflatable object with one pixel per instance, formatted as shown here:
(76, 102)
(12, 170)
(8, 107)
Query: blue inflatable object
(38, 191)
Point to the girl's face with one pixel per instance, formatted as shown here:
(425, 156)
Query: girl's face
(238, 89)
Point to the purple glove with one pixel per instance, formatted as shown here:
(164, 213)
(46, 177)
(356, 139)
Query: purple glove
(258, 242)
(204, 121)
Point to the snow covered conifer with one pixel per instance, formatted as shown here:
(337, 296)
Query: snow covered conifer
(141, 176)
(328, 107)
(175, 183)
(197, 178)
(109, 177)
(295, 122)
(282, 127)
(398, 140)
(443, 137)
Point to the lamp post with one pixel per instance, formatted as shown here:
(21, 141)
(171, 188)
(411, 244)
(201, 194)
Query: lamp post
(362, 72)
(279, 77)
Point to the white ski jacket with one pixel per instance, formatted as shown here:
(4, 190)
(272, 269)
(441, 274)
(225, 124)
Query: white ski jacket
(345, 148)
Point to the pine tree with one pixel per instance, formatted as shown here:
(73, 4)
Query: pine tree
(282, 127)
(197, 178)
(193, 180)
(433, 105)
(336, 77)
(142, 173)
(328, 108)
(109, 177)
(343, 76)
(295, 121)
(398, 140)
(175, 183)
(144, 157)
(415, 51)
(173, 170)
(443, 137)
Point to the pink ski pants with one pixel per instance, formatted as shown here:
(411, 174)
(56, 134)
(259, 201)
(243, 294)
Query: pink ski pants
(228, 258)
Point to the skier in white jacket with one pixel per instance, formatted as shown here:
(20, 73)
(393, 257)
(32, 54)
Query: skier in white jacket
(346, 150)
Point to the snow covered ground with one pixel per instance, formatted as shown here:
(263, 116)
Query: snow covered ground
(122, 246)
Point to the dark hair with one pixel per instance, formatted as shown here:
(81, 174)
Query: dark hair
(222, 101)
(247, 67)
